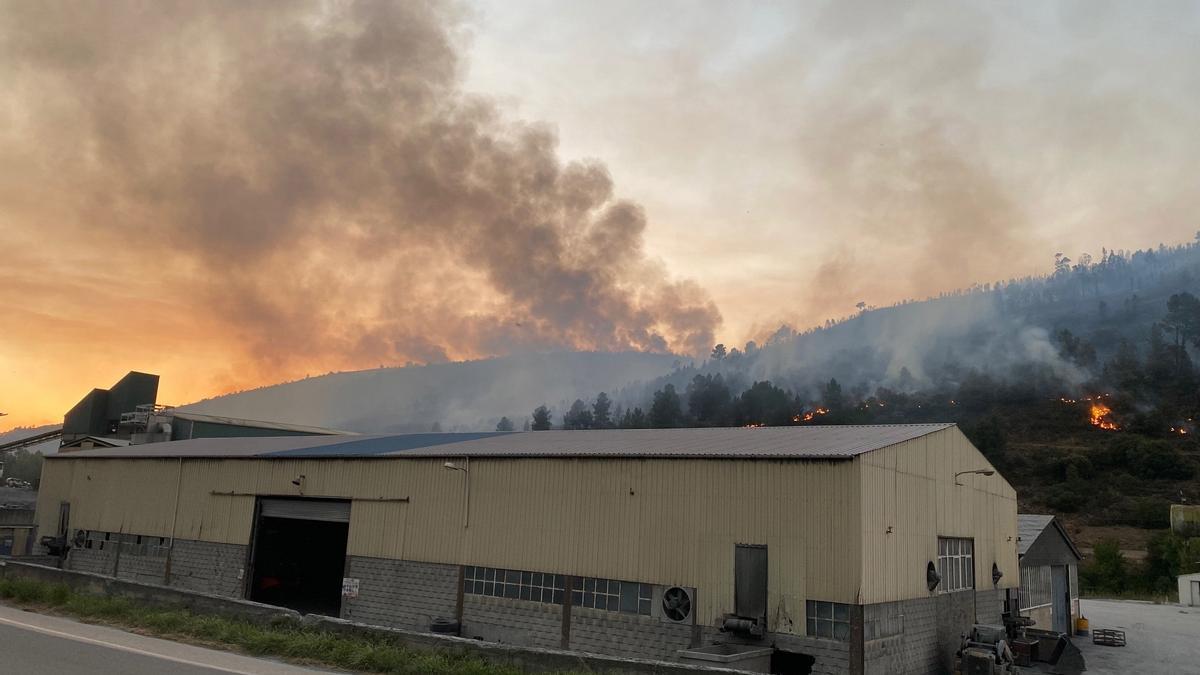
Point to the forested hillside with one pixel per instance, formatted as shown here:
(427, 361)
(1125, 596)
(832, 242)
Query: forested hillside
(1080, 386)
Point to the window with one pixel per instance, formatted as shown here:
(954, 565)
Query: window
(131, 544)
(956, 564)
(514, 584)
(828, 619)
(611, 595)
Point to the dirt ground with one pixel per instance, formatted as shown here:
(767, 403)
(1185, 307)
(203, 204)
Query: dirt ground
(1133, 539)
(1161, 639)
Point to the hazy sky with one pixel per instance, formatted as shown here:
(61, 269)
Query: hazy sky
(234, 194)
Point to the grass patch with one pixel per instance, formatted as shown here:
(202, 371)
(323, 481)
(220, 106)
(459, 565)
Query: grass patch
(1156, 598)
(285, 639)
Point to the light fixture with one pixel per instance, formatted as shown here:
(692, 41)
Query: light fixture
(453, 467)
(981, 472)
(298, 481)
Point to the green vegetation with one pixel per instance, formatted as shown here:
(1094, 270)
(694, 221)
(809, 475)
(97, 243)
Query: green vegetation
(24, 465)
(284, 639)
(1168, 555)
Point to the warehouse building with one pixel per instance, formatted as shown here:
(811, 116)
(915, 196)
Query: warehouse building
(850, 548)
(1049, 572)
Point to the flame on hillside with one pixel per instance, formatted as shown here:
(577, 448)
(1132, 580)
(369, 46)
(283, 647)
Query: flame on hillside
(808, 416)
(1100, 416)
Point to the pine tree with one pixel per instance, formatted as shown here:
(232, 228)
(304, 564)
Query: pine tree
(541, 418)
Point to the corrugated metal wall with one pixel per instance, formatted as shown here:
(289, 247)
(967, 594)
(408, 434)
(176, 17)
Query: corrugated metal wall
(659, 521)
(910, 488)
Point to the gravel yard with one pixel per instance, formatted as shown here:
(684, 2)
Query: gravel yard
(1161, 639)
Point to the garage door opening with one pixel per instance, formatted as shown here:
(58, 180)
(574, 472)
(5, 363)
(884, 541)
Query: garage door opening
(300, 554)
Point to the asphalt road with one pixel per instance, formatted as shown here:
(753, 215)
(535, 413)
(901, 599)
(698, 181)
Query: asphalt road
(36, 644)
(1160, 639)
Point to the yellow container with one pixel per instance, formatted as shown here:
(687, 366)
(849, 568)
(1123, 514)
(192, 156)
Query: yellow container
(1081, 626)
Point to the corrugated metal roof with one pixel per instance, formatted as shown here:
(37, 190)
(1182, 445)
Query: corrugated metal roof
(256, 424)
(802, 442)
(1029, 527)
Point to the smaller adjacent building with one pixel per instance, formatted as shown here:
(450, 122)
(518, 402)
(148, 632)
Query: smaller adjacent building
(1189, 590)
(1049, 564)
(128, 414)
(156, 424)
(99, 413)
(1185, 520)
(16, 521)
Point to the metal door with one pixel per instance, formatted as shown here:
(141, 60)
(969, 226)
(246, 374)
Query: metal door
(330, 510)
(1060, 599)
(750, 581)
(64, 519)
(1196, 594)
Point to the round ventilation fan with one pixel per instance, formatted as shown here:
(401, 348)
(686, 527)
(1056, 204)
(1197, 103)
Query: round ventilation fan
(676, 603)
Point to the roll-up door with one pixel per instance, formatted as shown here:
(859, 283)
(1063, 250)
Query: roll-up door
(328, 510)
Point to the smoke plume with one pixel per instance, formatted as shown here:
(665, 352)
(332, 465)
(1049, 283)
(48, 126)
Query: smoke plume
(310, 178)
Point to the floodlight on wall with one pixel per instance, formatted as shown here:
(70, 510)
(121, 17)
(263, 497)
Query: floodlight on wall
(996, 574)
(981, 472)
(298, 481)
(932, 578)
(453, 467)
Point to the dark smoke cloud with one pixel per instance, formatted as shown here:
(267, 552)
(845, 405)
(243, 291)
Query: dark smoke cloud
(312, 177)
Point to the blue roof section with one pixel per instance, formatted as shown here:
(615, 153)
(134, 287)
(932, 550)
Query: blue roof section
(380, 445)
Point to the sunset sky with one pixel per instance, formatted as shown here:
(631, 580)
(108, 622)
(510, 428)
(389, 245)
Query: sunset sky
(231, 195)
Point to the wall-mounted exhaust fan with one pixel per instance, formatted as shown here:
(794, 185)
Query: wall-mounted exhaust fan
(677, 603)
(932, 578)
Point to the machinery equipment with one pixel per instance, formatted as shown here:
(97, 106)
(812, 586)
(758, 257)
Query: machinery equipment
(1016, 647)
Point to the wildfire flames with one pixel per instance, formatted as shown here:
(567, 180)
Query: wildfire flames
(1100, 416)
(808, 416)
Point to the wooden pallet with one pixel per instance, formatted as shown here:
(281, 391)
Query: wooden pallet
(1109, 637)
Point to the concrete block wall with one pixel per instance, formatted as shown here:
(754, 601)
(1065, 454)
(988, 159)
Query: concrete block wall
(630, 635)
(955, 616)
(514, 622)
(144, 569)
(989, 606)
(206, 567)
(91, 560)
(921, 635)
(401, 593)
(832, 656)
(901, 637)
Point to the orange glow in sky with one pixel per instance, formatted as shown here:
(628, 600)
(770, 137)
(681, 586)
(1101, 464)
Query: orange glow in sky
(231, 195)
